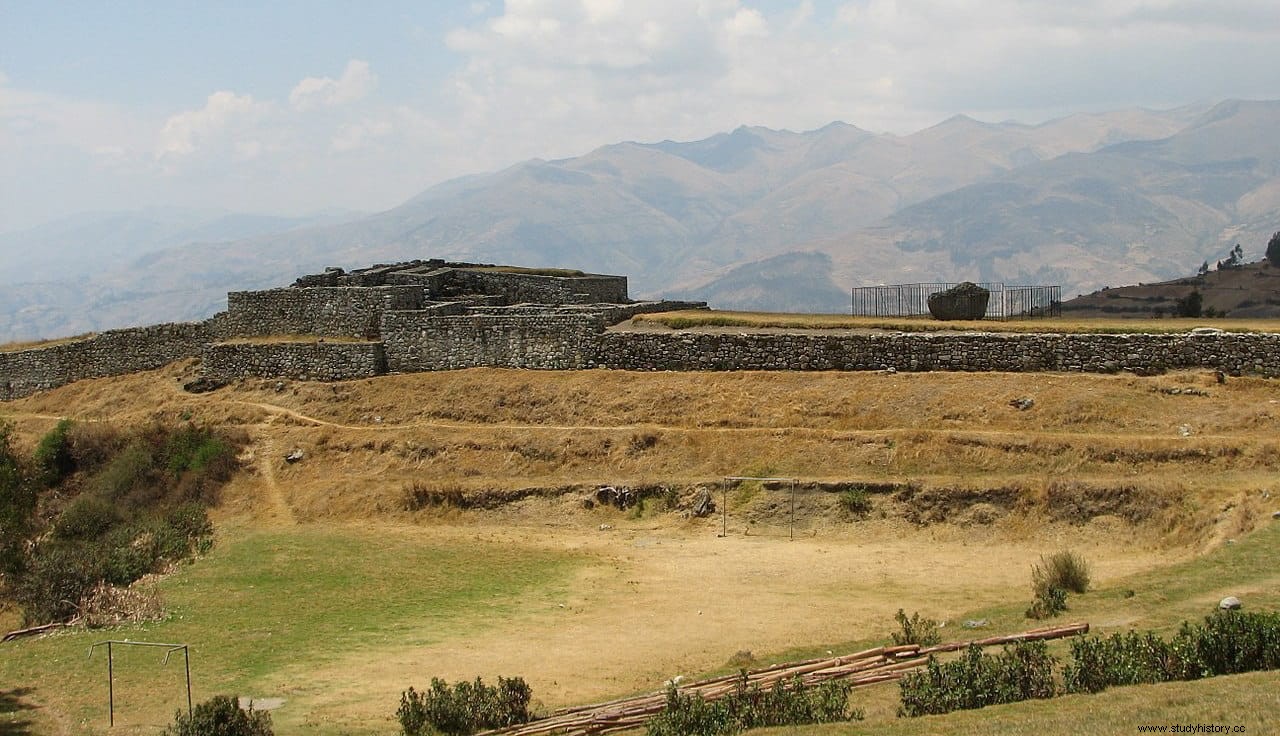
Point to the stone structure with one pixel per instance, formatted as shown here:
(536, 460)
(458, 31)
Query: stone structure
(306, 361)
(113, 353)
(434, 315)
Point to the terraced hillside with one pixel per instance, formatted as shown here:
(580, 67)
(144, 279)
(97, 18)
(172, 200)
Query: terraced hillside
(437, 525)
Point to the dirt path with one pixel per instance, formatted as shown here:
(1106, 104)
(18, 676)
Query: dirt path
(772, 430)
(269, 453)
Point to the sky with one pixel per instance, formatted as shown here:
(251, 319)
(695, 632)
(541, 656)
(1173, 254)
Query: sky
(294, 107)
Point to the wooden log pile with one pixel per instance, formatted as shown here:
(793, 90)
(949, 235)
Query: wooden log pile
(860, 669)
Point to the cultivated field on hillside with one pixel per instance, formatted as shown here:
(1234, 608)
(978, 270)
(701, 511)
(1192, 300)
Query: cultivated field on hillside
(436, 527)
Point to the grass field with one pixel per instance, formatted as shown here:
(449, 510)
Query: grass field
(688, 319)
(326, 590)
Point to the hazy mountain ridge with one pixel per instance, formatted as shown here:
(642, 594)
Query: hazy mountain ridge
(1082, 200)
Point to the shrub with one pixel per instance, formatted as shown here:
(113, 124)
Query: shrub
(87, 517)
(53, 459)
(1047, 603)
(17, 507)
(976, 680)
(220, 716)
(856, 502)
(464, 708)
(130, 468)
(1121, 659)
(1066, 570)
(748, 706)
(1230, 642)
(1273, 250)
(915, 630)
(56, 579)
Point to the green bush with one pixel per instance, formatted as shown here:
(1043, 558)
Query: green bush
(1052, 578)
(87, 517)
(1230, 642)
(748, 706)
(976, 680)
(1048, 602)
(915, 630)
(856, 502)
(17, 507)
(463, 708)
(1121, 659)
(220, 716)
(130, 469)
(53, 459)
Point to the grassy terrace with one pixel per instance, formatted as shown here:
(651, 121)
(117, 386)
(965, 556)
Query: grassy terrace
(683, 320)
(13, 347)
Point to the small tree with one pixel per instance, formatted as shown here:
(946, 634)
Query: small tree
(1234, 259)
(1273, 250)
(1190, 305)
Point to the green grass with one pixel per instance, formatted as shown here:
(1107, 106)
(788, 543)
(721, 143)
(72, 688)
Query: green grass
(264, 601)
(681, 320)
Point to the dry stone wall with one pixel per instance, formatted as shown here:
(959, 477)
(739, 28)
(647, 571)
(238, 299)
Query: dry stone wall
(534, 288)
(1143, 354)
(306, 361)
(416, 342)
(111, 353)
(326, 311)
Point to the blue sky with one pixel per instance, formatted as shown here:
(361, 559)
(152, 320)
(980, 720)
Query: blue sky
(290, 107)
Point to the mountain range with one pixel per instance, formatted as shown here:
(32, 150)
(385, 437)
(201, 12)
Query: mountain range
(767, 219)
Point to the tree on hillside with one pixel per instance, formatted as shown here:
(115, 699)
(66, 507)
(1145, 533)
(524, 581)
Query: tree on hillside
(1190, 305)
(1234, 259)
(1273, 250)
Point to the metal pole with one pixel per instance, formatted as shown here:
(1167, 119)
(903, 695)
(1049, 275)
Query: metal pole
(724, 509)
(793, 510)
(111, 692)
(186, 658)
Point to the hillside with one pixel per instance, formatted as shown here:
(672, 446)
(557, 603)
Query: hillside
(676, 216)
(1249, 291)
(436, 526)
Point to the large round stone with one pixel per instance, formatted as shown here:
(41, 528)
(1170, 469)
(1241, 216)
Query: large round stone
(963, 301)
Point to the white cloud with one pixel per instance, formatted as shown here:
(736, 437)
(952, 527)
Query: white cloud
(356, 82)
(552, 78)
(224, 114)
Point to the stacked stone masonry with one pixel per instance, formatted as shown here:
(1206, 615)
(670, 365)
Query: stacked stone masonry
(416, 342)
(305, 361)
(111, 353)
(1140, 353)
(339, 311)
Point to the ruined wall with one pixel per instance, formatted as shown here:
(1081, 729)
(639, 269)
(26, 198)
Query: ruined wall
(111, 353)
(325, 311)
(418, 342)
(522, 287)
(611, 314)
(1233, 353)
(306, 361)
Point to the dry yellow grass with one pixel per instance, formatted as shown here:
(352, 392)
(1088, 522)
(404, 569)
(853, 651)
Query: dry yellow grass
(12, 347)
(1121, 468)
(693, 319)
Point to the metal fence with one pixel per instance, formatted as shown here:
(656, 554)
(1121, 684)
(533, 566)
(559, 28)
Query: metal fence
(912, 300)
